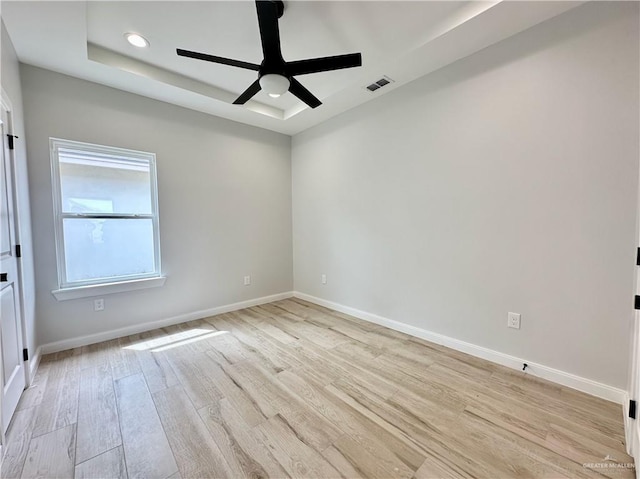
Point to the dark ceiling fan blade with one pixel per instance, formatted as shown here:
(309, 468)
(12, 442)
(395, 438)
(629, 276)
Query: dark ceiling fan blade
(303, 94)
(248, 93)
(324, 64)
(215, 59)
(269, 31)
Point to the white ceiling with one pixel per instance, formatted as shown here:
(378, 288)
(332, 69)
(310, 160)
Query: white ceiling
(403, 40)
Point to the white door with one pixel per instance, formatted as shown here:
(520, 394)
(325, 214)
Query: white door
(12, 374)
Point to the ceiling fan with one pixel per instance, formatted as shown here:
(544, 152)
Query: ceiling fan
(275, 75)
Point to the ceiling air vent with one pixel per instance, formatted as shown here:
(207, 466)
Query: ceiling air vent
(384, 81)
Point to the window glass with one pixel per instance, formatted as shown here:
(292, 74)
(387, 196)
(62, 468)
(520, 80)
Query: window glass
(94, 185)
(104, 248)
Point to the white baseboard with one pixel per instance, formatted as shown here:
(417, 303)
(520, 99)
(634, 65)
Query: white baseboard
(139, 328)
(34, 362)
(555, 375)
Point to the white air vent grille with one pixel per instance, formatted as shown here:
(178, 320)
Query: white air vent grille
(384, 81)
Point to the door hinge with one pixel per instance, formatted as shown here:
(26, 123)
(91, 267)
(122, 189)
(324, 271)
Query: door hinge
(632, 409)
(18, 251)
(25, 354)
(637, 305)
(638, 258)
(10, 139)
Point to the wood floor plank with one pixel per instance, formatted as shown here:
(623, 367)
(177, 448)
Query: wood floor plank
(251, 378)
(275, 332)
(51, 455)
(32, 396)
(237, 397)
(199, 335)
(18, 440)
(109, 464)
(343, 465)
(523, 423)
(346, 369)
(295, 457)
(551, 409)
(157, 371)
(396, 440)
(390, 452)
(357, 351)
(415, 380)
(189, 368)
(71, 358)
(273, 397)
(195, 451)
(590, 405)
(583, 450)
(247, 441)
(266, 349)
(257, 347)
(432, 468)
(322, 337)
(518, 455)
(123, 360)
(230, 349)
(95, 355)
(338, 316)
(59, 404)
(98, 425)
(366, 462)
(145, 445)
(240, 462)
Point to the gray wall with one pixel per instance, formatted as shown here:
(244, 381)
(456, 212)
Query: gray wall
(507, 181)
(10, 81)
(224, 198)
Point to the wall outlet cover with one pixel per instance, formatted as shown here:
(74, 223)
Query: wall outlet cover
(98, 305)
(513, 320)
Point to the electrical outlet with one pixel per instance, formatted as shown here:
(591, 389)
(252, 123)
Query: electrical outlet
(98, 304)
(247, 280)
(513, 320)
(323, 278)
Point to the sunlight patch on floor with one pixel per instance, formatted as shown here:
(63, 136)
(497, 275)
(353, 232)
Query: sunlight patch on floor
(175, 340)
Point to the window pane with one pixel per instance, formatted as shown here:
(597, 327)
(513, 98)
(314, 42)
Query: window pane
(99, 248)
(104, 185)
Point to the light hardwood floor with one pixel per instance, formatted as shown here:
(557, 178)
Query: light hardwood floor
(291, 389)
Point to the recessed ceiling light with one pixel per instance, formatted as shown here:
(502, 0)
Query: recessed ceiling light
(136, 40)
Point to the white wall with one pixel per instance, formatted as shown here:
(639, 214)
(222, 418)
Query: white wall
(10, 80)
(224, 197)
(505, 182)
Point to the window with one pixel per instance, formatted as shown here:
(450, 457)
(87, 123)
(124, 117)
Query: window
(106, 219)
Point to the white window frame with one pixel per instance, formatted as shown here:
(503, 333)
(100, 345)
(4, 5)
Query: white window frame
(116, 284)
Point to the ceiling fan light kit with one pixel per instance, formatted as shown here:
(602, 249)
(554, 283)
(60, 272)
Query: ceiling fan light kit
(274, 84)
(275, 75)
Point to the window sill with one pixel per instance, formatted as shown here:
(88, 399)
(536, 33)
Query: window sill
(107, 288)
